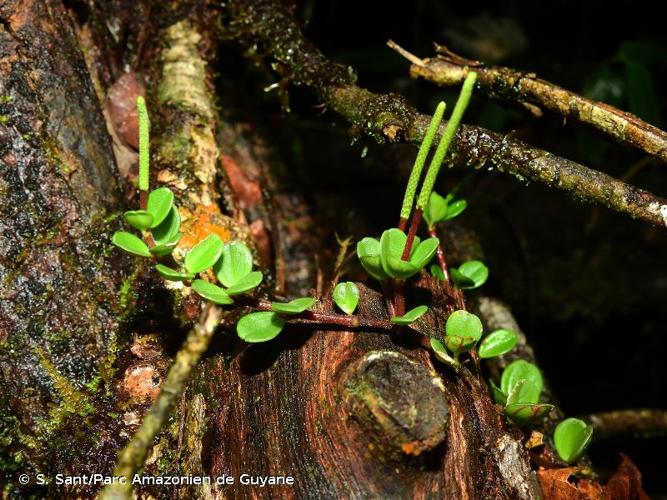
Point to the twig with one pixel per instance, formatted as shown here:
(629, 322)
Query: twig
(519, 87)
(641, 422)
(132, 457)
(267, 27)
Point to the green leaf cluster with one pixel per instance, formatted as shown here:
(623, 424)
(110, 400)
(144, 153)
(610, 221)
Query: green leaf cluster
(520, 388)
(470, 275)
(440, 209)
(463, 331)
(161, 221)
(383, 259)
(263, 326)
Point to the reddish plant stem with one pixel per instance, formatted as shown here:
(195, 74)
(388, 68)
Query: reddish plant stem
(317, 318)
(143, 200)
(440, 253)
(402, 224)
(412, 232)
(399, 297)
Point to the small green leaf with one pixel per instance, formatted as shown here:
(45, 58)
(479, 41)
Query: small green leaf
(204, 254)
(523, 413)
(462, 331)
(571, 438)
(498, 396)
(524, 391)
(172, 274)
(259, 327)
(130, 243)
(520, 370)
(497, 343)
(368, 251)
(168, 228)
(440, 209)
(159, 204)
(346, 296)
(436, 272)
(236, 263)
(247, 283)
(440, 352)
(464, 324)
(295, 306)
(211, 292)
(436, 209)
(411, 316)
(168, 247)
(424, 252)
(469, 275)
(138, 219)
(454, 208)
(392, 244)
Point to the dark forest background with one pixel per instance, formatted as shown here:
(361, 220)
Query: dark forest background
(588, 285)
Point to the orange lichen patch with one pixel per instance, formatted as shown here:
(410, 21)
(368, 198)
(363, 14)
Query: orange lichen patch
(205, 220)
(411, 448)
(142, 382)
(536, 439)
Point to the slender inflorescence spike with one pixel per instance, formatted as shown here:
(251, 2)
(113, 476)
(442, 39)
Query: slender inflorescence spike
(445, 141)
(418, 166)
(144, 131)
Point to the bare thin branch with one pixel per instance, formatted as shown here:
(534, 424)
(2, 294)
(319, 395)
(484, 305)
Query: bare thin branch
(267, 27)
(527, 90)
(641, 422)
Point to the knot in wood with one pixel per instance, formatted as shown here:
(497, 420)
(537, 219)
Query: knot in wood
(401, 403)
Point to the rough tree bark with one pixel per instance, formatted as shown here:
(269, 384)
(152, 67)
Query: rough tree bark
(88, 335)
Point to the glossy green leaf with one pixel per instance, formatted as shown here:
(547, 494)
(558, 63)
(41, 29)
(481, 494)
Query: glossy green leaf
(469, 275)
(524, 391)
(346, 296)
(392, 244)
(571, 438)
(440, 209)
(204, 254)
(411, 316)
(159, 204)
(524, 413)
(138, 219)
(458, 344)
(368, 251)
(168, 228)
(399, 268)
(236, 263)
(211, 292)
(440, 352)
(172, 274)
(464, 324)
(295, 306)
(259, 326)
(520, 370)
(130, 243)
(497, 343)
(247, 283)
(423, 252)
(168, 247)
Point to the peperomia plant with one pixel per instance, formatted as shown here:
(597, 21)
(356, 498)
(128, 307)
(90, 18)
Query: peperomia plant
(520, 388)
(215, 270)
(463, 331)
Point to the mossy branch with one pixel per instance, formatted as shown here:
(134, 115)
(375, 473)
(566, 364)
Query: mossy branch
(132, 457)
(449, 69)
(267, 26)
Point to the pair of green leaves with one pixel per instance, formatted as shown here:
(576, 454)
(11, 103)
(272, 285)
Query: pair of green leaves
(467, 276)
(520, 388)
(571, 438)
(463, 330)
(383, 259)
(161, 218)
(440, 209)
(263, 326)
